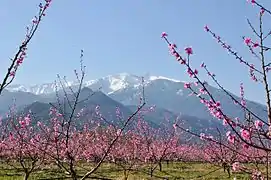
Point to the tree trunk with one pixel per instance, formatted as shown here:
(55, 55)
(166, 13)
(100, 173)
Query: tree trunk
(125, 175)
(160, 166)
(152, 172)
(74, 176)
(26, 175)
(229, 171)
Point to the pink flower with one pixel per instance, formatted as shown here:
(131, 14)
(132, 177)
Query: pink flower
(22, 123)
(190, 72)
(245, 146)
(258, 124)
(189, 50)
(262, 11)
(228, 133)
(118, 132)
(196, 71)
(27, 120)
(35, 20)
(172, 46)
(268, 69)
(39, 123)
(225, 122)
(202, 91)
(236, 166)
(230, 137)
(20, 60)
(255, 44)
(187, 85)
(251, 1)
(202, 136)
(245, 134)
(164, 34)
(183, 61)
(206, 28)
(12, 73)
(247, 41)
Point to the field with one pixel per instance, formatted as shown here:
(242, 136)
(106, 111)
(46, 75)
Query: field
(110, 171)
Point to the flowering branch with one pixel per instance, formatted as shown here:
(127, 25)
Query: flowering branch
(21, 53)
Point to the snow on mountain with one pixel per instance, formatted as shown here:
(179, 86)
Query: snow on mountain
(152, 78)
(45, 88)
(108, 84)
(161, 91)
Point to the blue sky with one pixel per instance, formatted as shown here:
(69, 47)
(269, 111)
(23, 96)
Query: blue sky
(124, 36)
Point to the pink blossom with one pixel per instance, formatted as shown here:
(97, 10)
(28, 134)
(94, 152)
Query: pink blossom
(196, 83)
(228, 133)
(230, 137)
(164, 34)
(35, 20)
(258, 124)
(245, 134)
(22, 123)
(187, 85)
(172, 46)
(206, 28)
(12, 73)
(242, 94)
(27, 120)
(262, 11)
(236, 166)
(183, 61)
(189, 50)
(39, 123)
(251, 1)
(255, 44)
(196, 71)
(119, 132)
(190, 72)
(202, 91)
(202, 136)
(247, 41)
(245, 146)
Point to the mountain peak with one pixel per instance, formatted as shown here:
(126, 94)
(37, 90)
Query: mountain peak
(108, 84)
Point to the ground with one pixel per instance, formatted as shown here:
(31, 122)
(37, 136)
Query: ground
(108, 171)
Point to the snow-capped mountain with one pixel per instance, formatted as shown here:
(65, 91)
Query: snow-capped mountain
(108, 84)
(163, 92)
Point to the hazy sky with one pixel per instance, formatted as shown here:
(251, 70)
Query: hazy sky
(124, 36)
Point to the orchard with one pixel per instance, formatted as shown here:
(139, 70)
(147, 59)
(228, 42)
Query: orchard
(61, 147)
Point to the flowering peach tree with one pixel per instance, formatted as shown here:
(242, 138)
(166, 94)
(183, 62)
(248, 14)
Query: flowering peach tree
(251, 132)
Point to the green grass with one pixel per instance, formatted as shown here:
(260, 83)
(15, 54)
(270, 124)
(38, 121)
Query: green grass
(172, 171)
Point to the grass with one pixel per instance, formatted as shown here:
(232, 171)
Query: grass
(172, 171)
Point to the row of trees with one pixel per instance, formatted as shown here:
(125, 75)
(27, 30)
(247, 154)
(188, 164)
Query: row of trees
(29, 146)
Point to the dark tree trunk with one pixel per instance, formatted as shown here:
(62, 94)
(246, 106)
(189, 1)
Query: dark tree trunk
(160, 166)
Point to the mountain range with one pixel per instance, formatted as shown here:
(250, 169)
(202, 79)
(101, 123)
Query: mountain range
(124, 91)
